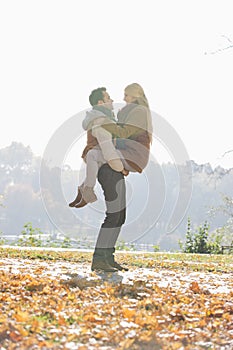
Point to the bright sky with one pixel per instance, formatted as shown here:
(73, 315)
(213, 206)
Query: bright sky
(53, 53)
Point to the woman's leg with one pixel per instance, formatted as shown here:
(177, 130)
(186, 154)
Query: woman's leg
(110, 153)
(94, 160)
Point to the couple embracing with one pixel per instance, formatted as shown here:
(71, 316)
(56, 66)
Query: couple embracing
(114, 148)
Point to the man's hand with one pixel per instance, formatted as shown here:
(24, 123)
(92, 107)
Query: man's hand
(125, 172)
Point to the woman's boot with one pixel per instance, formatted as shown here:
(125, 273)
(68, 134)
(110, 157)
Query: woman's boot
(77, 199)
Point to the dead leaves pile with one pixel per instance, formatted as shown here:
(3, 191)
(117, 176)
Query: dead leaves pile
(140, 309)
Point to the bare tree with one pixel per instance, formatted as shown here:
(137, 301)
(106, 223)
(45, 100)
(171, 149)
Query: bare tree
(231, 150)
(222, 49)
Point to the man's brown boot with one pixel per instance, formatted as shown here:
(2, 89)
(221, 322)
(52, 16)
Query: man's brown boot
(99, 261)
(111, 260)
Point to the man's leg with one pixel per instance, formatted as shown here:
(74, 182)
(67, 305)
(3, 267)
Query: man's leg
(113, 184)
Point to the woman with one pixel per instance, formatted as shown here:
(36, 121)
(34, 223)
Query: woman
(134, 129)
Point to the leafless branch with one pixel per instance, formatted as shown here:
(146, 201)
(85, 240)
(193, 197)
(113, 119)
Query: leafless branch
(224, 48)
(227, 152)
(226, 37)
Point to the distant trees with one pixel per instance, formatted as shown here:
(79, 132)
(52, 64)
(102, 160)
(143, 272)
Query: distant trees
(225, 230)
(18, 165)
(21, 201)
(22, 204)
(19, 184)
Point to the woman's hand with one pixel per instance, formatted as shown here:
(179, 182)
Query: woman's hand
(125, 172)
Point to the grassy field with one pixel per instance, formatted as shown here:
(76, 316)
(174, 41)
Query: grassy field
(51, 299)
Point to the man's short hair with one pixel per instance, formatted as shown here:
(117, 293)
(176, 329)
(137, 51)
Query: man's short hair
(96, 95)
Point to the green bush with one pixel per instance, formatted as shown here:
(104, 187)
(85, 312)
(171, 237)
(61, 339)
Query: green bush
(156, 248)
(2, 239)
(31, 237)
(200, 242)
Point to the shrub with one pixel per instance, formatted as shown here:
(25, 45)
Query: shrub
(200, 242)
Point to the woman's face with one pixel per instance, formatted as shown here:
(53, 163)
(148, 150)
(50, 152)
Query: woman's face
(128, 98)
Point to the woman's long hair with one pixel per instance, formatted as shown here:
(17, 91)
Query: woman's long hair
(135, 90)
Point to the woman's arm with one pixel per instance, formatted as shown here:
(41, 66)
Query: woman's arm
(136, 122)
(123, 132)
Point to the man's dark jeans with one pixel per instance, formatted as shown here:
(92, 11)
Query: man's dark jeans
(113, 185)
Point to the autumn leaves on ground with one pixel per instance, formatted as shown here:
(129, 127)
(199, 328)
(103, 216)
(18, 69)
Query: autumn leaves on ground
(52, 300)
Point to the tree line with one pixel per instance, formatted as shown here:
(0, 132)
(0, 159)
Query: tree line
(21, 200)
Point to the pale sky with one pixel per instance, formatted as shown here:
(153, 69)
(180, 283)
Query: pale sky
(53, 53)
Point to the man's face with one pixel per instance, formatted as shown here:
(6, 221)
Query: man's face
(107, 101)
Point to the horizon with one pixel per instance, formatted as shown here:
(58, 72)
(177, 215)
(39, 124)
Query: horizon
(77, 164)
